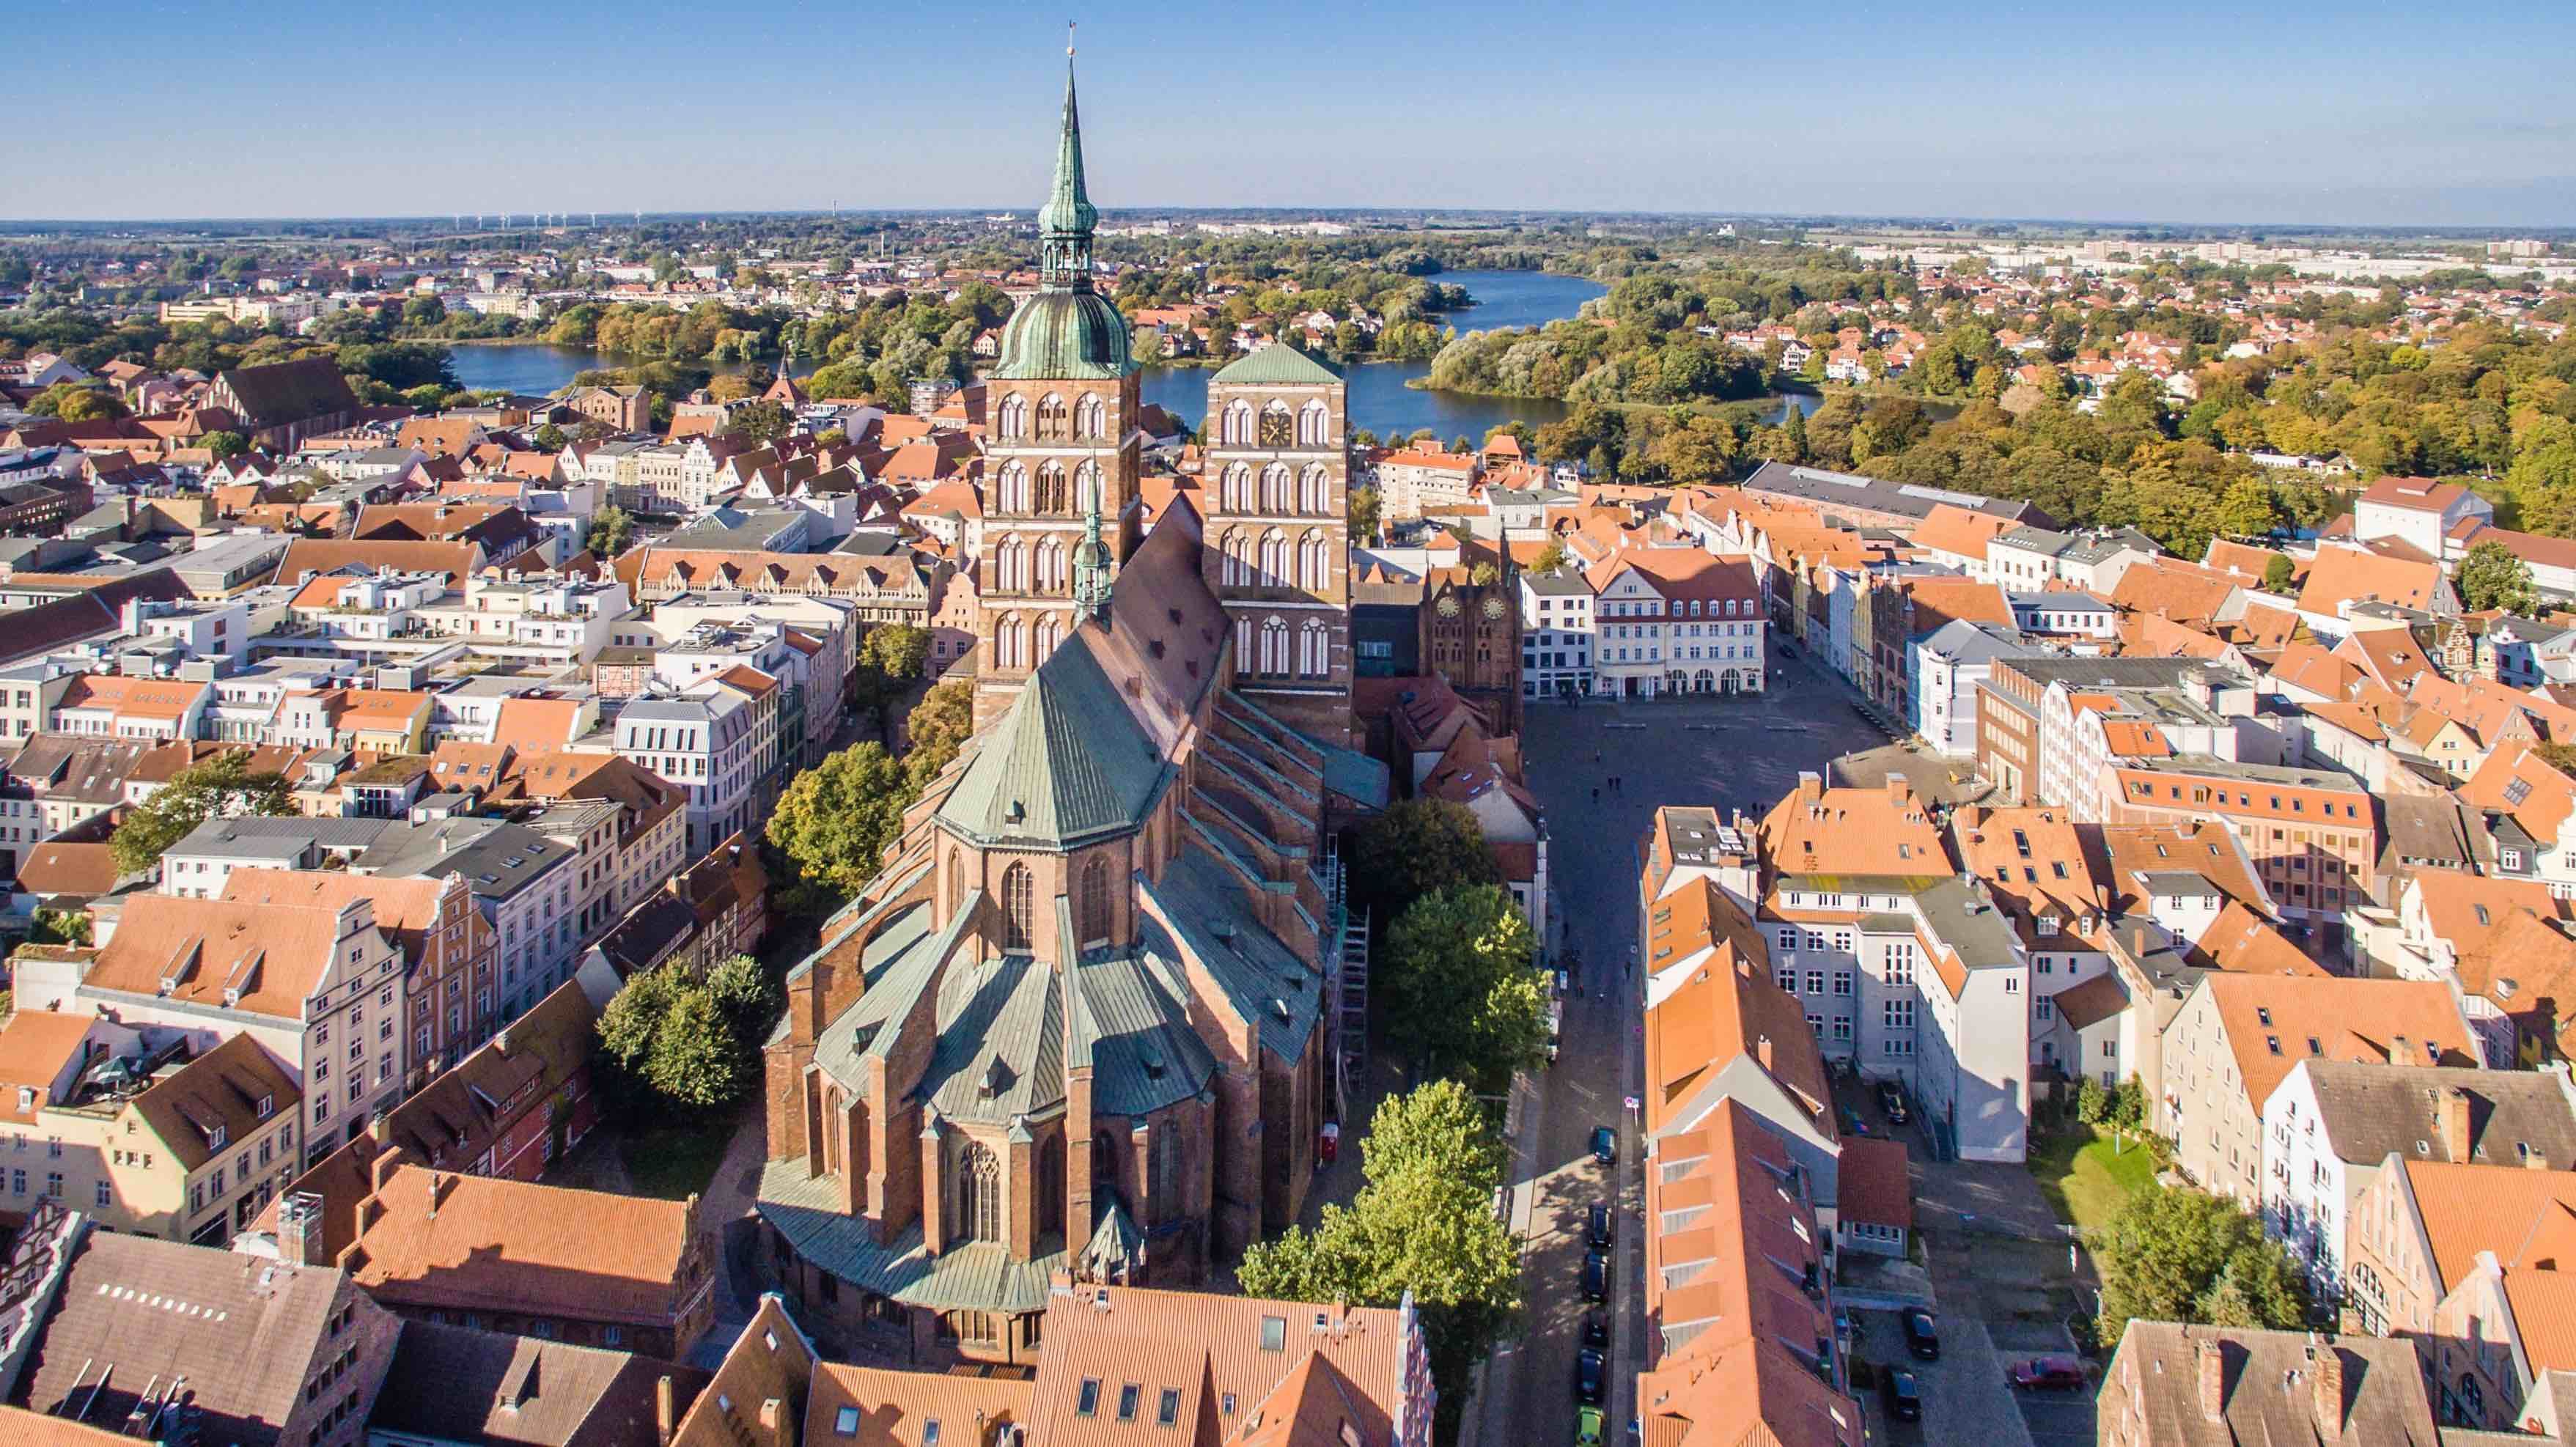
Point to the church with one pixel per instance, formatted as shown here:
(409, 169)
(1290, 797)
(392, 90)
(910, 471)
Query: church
(1083, 1023)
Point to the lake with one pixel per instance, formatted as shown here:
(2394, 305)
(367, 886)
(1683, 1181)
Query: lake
(1381, 399)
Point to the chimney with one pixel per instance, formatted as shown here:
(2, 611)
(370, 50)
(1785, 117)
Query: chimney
(2213, 1380)
(1899, 787)
(1762, 1050)
(2453, 1120)
(666, 1420)
(299, 1229)
(2325, 1380)
(1811, 786)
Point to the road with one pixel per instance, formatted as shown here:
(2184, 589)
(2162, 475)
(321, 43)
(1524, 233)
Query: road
(1730, 752)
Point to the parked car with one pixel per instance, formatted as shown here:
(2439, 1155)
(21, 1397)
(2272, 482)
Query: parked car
(1591, 1370)
(1587, 1427)
(1891, 1099)
(1922, 1335)
(1596, 1330)
(1901, 1393)
(1596, 1276)
(1605, 1145)
(1597, 1229)
(2049, 1373)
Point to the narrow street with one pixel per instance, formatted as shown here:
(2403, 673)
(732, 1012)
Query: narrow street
(1730, 752)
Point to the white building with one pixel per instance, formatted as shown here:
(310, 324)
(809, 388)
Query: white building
(1556, 634)
(2330, 1126)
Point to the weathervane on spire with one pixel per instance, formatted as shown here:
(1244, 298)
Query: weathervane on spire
(1068, 40)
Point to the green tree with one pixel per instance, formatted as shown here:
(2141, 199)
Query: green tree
(550, 438)
(59, 927)
(224, 446)
(222, 787)
(2177, 1254)
(2278, 572)
(748, 995)
(428, 397)
(612, 531)
(890, 658)
(1550, 558)
(758, 424)
(836, 818)
(2248, 509)
(424, 311)
(1459, 966)
(937, 728)
(2491, 576)
(673, 1038)
(1362, 510)
(1415, 847)
(1793, 430)
(1424, 1224)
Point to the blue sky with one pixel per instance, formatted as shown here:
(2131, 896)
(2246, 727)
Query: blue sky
(2290, 112)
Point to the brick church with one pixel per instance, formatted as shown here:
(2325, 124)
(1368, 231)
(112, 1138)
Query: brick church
(1082, 1021)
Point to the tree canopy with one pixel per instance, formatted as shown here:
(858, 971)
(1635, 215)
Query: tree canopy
(677, 1038)
(1423, 1224)
(1415, 847)
(2491, 576)
(835, 819)
(1459, 967)
(221, 787)
(2177, 1254)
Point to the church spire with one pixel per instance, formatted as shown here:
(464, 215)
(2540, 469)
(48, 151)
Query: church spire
(1091, 564)
(1065, 222)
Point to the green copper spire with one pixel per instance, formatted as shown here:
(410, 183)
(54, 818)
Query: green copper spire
(1091, 566)
(1065, 222)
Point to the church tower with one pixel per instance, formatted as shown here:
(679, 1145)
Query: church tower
(1064, 443)
(1278, 537)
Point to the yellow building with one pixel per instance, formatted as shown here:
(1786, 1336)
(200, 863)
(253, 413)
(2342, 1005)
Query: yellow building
(121, 1124)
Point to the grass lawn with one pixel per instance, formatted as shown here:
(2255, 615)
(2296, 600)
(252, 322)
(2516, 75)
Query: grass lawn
(2085, 1181)
(674, 1161)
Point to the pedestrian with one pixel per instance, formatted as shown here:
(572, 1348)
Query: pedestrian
(1596, 793)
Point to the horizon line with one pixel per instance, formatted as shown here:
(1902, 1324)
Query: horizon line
(630, 217)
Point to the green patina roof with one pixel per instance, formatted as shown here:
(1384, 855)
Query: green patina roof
(1065, 765)
(806, 1208)
(1068, 208)
(1278, 365)
(1065, 336)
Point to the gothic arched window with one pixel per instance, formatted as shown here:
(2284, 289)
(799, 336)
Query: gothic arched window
(1014, 418)
(1050, 633)
(1314, 485)
(1274, 646)
(1274, 560)
(1051, 490)
(979, 1193)
(1086, 489)
(1274, 490)
(1019, 907)
(1090, 418)
(1278, 429)
(1050, 566)
(1237, 496)
(1011, 644)
(1095, 902)
(1053, 418)
(1314, 651)
(1013, 493)
(1313, 424)
(1238, 423)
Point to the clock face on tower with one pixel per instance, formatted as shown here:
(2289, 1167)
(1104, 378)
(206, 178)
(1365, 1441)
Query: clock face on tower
(1494, 609)
(1448, 605)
